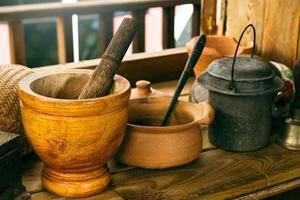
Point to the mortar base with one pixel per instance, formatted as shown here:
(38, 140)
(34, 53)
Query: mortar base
(76, 183)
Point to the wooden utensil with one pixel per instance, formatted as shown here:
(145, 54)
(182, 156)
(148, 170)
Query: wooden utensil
(100, 82)
(74, 138)
(197, 51)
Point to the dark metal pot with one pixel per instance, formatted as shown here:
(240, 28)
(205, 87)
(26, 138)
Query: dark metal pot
(241, 92)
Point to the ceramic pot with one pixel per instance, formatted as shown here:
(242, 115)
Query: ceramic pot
(148, 145)
(216, 47)
(143, 89)
(74, 138)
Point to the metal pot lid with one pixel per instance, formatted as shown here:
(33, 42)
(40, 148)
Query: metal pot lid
(240, 88)
(245, 69)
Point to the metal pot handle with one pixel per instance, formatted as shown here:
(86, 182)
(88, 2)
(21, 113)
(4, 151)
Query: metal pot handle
(231, 84)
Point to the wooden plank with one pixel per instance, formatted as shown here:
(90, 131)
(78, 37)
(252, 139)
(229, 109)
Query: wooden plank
(105, 195)
(32, 167)
(277, 163)
(61, 43)
(235, 175)
(196, 20)
(212, 176)
(168, 27)
(105, 31)
(82, 7)
(139, 39)
(216, 174)
(208, 19)
(270, 191)
(240, 14)
(281, 31)
(155, 66)
(17, 43)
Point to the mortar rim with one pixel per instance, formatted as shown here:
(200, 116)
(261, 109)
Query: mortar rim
(24, 86)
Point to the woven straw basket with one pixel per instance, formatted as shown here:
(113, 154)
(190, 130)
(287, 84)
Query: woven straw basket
(10, 118)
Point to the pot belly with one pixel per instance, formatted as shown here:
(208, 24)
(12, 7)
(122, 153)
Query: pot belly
(242, 123)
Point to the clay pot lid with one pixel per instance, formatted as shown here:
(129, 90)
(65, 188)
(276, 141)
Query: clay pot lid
(143, 89)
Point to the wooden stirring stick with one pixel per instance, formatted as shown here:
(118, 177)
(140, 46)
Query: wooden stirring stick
(101, 80)
(191, 62)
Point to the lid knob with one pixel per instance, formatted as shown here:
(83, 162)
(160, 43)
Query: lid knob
(143, 85)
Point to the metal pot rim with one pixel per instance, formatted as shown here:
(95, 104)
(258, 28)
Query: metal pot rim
(204, 79)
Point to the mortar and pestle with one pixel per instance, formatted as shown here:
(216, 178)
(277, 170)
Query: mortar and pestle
(290, 136)
(75, 120)
(164, 132)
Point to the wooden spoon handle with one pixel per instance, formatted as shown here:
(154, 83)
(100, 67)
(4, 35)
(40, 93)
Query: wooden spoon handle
(101, 80)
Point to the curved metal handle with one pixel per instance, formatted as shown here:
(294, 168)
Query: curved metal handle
(231, 85)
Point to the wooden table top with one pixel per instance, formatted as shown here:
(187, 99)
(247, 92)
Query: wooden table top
(215, 174)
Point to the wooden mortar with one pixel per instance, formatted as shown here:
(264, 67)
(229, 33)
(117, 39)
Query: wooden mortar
(75, 138)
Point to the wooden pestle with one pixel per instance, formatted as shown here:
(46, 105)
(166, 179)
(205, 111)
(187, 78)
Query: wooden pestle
(101, 80)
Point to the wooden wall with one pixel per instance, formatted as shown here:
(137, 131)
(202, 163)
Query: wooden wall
(277, 24)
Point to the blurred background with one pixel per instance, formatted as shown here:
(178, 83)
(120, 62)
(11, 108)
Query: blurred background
(46, 32)
(40, 34)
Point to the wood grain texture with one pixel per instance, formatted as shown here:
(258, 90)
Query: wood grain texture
(205, 178)
(74, 138)
(273, 190)
(273, 163)
(281, 31)
(277, 26)
(100, 82)
(240, 14)
(17, 43)
(216, 174)
(105, 195)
